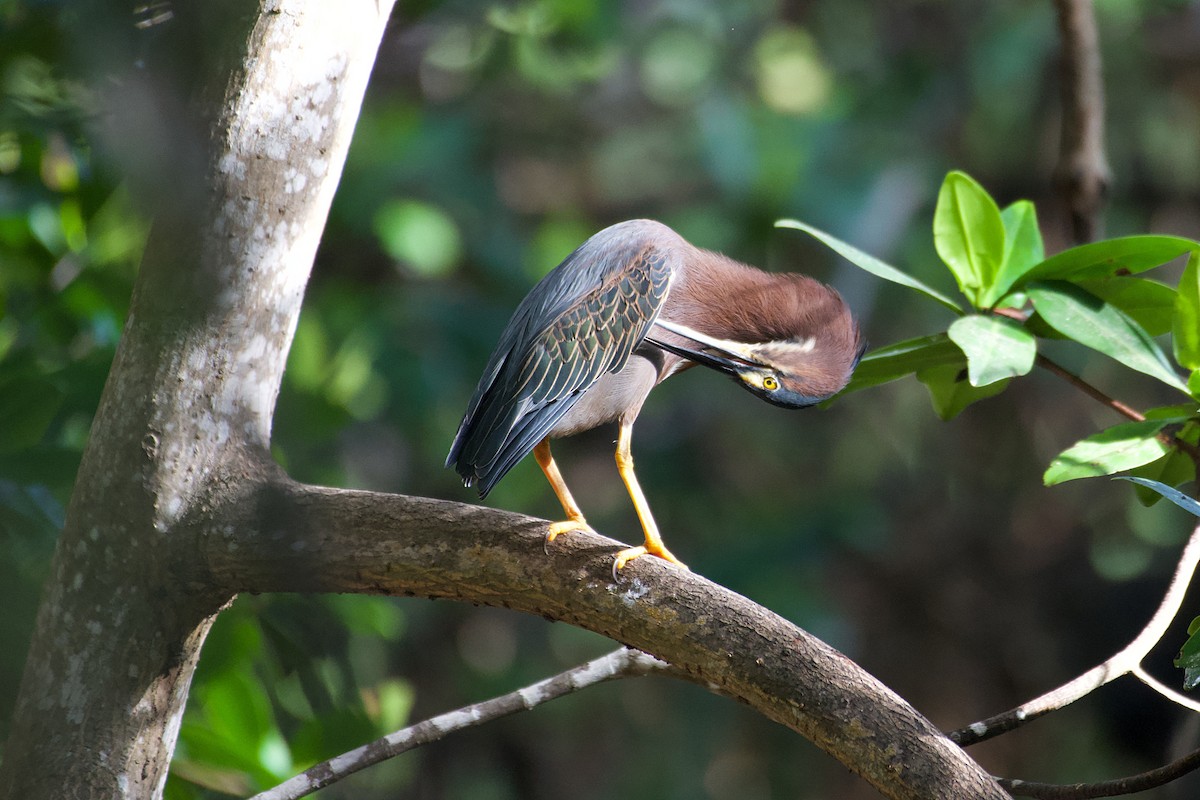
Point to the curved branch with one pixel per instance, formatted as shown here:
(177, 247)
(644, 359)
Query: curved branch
(290, 537)
(1140, 673)
(621, 663)
(1124, 662)
(1119, 786)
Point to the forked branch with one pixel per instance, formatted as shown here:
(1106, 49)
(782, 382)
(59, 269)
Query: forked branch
(1124, 662)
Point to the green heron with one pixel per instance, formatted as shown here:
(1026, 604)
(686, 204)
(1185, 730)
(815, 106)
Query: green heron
(632, 306)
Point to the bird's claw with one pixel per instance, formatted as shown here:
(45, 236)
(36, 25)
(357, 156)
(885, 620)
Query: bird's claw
(623, 557)
(556, 529)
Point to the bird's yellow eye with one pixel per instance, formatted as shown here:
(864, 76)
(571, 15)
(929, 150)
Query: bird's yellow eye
(770, 383)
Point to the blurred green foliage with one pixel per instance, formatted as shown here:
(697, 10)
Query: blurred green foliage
(495, 137)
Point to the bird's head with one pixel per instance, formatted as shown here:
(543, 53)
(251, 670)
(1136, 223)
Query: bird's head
(794, 351)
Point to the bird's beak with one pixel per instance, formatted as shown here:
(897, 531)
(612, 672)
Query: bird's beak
(719, 354)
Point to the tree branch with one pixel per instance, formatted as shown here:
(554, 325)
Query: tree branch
(1178, 698)
(1091, 391)
(621, 663)
(1124, 662)
(290, 537)
(1125, 410)
(1082, 173)
(1080, 791)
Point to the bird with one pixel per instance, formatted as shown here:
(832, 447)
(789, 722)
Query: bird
(633, 305)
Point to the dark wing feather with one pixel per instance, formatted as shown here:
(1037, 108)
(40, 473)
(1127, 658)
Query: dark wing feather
(581, 321)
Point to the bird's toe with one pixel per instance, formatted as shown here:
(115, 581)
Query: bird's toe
(556, 529)
(623, 557)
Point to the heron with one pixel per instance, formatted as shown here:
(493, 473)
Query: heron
(630, 307)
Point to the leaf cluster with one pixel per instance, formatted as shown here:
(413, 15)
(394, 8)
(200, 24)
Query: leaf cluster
(1014, 299)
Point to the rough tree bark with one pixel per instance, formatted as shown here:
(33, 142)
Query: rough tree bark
(178, 507)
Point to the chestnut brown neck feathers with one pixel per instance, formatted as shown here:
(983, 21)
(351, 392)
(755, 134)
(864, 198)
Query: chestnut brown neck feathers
(798, 322)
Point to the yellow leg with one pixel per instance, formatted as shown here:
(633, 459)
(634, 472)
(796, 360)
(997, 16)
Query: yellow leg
(654, 544)
(574, 520)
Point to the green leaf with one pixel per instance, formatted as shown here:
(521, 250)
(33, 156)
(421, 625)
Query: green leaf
(1090, 321)
(951, 392)
(1149, 303)
(969, 235)
(904, 358)
(869, 262)
(1188, 659)
(1131, 254)
(1177, 497)
(1185, 331)
(1125, 446)
(1022, 248)
(996, 347)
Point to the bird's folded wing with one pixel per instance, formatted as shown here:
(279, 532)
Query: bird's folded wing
(548, 359)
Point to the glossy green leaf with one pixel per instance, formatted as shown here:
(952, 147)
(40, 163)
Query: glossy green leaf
(1149, 303)
(969, 235)
(1090, 321)
(1120, 447)
(1130, 254)
(951, 392)
(1188, 659)
(904, 358)
(1175, 412)
(996, 347)
(1023, 248)
(869, 263)
(1185, 331)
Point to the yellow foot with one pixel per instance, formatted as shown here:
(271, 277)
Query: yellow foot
(630, 553)
(558, 528)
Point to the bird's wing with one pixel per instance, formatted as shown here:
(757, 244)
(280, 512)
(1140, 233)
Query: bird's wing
(583, 320)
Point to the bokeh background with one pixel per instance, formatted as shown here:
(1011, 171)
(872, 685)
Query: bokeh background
(495, 137)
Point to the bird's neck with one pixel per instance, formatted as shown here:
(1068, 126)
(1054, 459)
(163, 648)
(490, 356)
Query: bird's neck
(722, 297)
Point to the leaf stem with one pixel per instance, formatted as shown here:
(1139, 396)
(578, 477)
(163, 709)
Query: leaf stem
(1091, 391)
(1168, 439)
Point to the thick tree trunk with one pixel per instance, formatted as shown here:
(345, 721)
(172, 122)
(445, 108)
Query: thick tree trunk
(186, 413)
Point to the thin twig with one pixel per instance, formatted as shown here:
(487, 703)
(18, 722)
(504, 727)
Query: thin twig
(623, 663)
(1154, 778)
(1089, 390)
(1140, 673)
(1120, 664)
(1167, 438)
(1079, 383)
(1082, 172)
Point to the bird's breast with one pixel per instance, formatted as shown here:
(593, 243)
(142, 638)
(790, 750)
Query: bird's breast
(616, 395)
